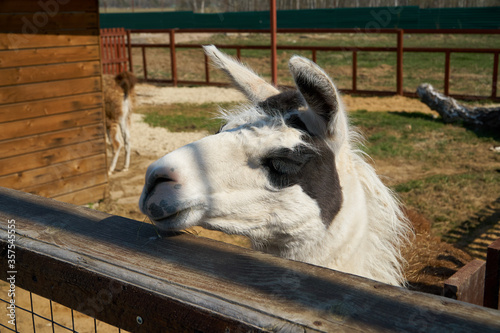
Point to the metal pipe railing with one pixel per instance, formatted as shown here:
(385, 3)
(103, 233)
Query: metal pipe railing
(399, 49)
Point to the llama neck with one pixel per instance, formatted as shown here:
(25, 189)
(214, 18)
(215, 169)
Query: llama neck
(336, 247)
(351, 243)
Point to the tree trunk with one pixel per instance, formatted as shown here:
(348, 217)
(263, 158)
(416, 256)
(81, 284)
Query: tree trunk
(451, 111)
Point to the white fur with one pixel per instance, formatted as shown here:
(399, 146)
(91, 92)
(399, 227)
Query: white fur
(218, 182)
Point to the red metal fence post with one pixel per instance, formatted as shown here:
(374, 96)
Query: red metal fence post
(274, 30)
(207, 70)
(354, 71)
(494, 82)
(447, 73)
(399, 68)
(144, 64)
(173, 60)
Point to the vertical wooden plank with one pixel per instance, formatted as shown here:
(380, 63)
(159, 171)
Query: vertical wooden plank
(492, 279)
(467, 285)
(103, 49)
(313, 55)
(121, 49)
(113, 50)
(129, 51)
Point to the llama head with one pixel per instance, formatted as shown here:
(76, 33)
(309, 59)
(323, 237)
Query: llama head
(270, 173)
(126, 80)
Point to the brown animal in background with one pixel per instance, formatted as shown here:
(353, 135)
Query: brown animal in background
(119, 98)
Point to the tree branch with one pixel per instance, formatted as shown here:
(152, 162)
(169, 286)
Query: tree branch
(451, 111)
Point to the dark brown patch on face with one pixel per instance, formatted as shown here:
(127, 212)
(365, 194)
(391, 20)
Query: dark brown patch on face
(313, 170)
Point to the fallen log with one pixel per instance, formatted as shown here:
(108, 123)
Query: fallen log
(451, 111)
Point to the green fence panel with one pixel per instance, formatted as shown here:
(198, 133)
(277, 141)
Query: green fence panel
(155, 20)
(233, 20)
(460, 18)
(369, 18)
(372, 18)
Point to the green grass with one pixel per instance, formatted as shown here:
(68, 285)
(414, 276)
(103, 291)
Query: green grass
(437, 196)
(184, 117)
(446, 171)
(410, 136)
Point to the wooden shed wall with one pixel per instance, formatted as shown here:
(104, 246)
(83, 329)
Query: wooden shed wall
(52, 139)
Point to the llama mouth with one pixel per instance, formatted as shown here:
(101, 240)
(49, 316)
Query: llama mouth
(176, 220)
(173, 221)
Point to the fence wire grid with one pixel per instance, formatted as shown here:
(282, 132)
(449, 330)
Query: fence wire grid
(35, 314)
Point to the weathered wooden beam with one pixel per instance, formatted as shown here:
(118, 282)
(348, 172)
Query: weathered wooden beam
(492, 283)
(467, 285)
(118, 269)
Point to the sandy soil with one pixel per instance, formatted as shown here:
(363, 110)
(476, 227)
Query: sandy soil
(155, 95)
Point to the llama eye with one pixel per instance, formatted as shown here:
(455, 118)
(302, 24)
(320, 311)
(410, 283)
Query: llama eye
(284, 164)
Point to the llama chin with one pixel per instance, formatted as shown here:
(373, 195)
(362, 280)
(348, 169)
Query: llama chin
(285, 171)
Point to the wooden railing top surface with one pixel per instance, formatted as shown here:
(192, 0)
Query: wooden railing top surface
(118, 269)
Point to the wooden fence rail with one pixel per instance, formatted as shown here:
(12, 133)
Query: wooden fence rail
(119, 271)
(399, 49)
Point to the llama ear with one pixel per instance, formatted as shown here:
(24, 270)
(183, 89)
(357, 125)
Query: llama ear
(320, 94)
(253, 86)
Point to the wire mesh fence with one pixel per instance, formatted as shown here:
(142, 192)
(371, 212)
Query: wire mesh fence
(35, 314)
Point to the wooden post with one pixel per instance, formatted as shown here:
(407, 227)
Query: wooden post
(492, 280)
(467, 285)
(313, 55)
(274, 53)
(399, 67)
(173, 60)
(447, 73)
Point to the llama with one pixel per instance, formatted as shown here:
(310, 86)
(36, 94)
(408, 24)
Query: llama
(284, 171)
(119, 96)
